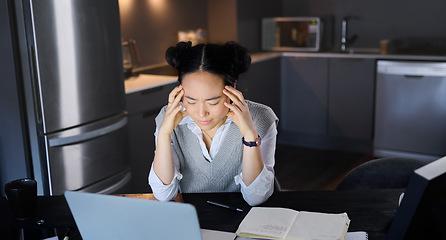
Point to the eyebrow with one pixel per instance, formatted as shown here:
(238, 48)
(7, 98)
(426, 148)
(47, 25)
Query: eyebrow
(209, 99)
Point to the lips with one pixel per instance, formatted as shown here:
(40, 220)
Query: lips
(204, 122)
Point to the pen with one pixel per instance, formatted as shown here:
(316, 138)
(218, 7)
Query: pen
(225, 206)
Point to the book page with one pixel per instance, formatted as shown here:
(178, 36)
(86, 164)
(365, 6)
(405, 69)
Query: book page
(208, 234)
(269, 223)
(359, 235)
(321, 226)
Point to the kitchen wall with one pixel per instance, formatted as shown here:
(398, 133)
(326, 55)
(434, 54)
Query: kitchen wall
(377, 19)
(222, 21)
(250, 14)
(154, 24)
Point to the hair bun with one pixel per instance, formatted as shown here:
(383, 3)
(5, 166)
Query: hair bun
(240, 56)
(175, 54)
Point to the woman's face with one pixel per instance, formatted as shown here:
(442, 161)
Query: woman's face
(204, 99)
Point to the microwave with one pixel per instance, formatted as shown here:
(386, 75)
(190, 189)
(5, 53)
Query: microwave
(295, 34)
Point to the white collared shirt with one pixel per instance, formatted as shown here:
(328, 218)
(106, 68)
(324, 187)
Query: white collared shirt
(256, 193)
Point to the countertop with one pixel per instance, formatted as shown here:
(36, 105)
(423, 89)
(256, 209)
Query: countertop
(256, 57)
(147, 81)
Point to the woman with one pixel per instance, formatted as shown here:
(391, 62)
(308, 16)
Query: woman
(208, 137)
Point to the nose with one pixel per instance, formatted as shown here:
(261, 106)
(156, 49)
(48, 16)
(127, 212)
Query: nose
(202, 111)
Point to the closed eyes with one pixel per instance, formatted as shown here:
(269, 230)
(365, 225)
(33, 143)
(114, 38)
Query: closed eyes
(211, 101)
(212, 104)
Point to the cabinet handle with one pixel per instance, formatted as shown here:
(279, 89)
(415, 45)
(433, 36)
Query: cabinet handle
(413, 76)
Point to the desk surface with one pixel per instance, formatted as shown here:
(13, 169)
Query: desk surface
(369, 210)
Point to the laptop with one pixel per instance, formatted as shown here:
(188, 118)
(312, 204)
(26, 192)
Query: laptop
(110, 217)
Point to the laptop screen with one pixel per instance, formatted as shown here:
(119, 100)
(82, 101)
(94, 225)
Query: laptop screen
(109, 217)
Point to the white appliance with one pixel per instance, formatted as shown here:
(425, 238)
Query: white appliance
(410, 114)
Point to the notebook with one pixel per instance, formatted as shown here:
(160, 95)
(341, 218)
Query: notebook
(109, 217)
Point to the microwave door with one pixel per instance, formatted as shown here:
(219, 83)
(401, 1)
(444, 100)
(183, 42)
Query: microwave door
(293, 34)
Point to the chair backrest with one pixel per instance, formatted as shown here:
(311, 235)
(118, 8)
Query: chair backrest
(277, 187)
(382, 173)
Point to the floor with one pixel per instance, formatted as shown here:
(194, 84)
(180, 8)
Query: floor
(300, 169)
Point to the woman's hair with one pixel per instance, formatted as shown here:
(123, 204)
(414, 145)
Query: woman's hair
(228, 60)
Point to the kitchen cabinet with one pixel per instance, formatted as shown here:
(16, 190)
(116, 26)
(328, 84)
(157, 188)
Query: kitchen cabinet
(328, 102)
(143, 106)
(351, 98)
(304, 95)
(261, 83)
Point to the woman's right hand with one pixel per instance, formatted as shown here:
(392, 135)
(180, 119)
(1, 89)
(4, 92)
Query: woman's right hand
(173, 115)
(163, 162)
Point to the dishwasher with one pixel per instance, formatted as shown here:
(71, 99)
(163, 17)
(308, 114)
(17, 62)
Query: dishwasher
(410, 110)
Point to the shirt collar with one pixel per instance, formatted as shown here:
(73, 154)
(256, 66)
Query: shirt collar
(193, 127)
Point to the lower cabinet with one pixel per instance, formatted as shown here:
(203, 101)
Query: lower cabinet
(143, 107)
(351, 98)
(304, 95)
(261, 83)
(328, 102)
(142, 146)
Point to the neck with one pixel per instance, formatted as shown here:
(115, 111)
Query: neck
(207, 134)
(211, 132)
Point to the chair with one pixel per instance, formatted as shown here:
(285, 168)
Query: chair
(382, 173)
(277, 187)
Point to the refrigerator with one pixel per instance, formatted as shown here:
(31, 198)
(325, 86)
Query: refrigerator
(64, 121)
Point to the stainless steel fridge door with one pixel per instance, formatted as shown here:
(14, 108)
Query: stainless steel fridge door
(75, 46)
(84, 157)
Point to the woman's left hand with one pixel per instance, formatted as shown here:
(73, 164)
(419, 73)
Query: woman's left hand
(240, 113)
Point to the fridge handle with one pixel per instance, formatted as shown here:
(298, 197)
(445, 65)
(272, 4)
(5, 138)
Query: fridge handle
(35, 84)
(113, 185)
(112, 189)
(88, 135)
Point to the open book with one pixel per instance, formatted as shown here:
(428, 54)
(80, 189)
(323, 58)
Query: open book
(284, 223)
